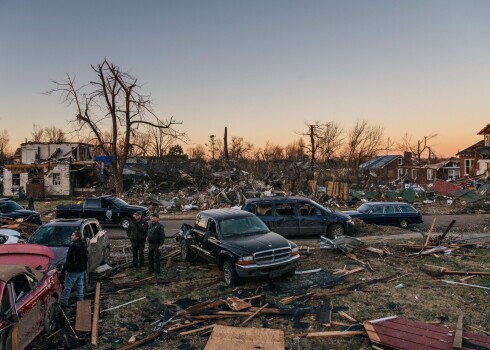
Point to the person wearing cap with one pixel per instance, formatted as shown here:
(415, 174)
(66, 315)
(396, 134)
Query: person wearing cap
(156, 237)
(137, 232)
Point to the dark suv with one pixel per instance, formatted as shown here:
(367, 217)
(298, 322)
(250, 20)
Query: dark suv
(11, 210)
(240, 244)
(295, 215)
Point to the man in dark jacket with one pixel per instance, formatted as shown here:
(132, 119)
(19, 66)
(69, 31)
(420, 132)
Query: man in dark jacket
(137, 231)
(75, 267)
(156, 237)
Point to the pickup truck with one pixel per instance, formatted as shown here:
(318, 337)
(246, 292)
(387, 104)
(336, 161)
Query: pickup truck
(109, 210)
(239, 243)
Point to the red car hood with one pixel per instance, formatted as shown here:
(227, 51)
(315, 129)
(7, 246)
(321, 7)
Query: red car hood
(33, 255)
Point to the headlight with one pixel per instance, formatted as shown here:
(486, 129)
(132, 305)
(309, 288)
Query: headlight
(294, 251)
(246, 260)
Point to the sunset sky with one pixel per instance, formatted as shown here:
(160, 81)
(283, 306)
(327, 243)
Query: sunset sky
(262, 68)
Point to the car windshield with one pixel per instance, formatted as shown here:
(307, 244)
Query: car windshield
(365, 208)
(242, 226)
(53, 235)
(119, 202)
(8, 207)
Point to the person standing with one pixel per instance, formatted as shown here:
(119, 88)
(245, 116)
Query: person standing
(75, 267)
(156, 237)
(137, 232)
(30, 202)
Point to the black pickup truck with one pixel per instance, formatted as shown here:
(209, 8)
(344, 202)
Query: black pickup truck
(240, 244)
(109, 210)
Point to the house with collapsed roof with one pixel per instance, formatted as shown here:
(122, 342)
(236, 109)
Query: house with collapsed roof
(404, 169)
(43, 168)
(475, 160)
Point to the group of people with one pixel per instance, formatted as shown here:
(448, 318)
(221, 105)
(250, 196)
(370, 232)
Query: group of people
(139, 231)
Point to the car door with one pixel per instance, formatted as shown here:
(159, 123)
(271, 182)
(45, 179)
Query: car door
(29, 309)
(264, 211)
(99, 241)
(286, 218)
(212, 240)
(198, 237)
(375, 215)
(311, 219)
(88, 236)
(390, 215)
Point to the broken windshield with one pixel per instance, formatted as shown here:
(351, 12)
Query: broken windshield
(53, 235)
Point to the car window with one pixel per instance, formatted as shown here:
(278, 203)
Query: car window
(407, 209)
(95, 228)
(53, 235)
(285, 208)
(307, 209)
(87, 232)
(263, 209)
(106, 204)
(92, 203)
(201, 222)
(377, 210)
(389, 209)
(212, 228)
(7, 207)
(22, 287)
(5, 302)
(242, 226)
(365, 208)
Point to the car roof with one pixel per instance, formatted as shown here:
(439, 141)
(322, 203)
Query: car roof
(277, 199)
(227, 213)
(387, 203)
(9, 271)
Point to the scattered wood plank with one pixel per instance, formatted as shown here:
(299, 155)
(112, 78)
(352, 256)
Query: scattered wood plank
(254, 314)
(226, 337)
(430, 232)
(327, 334)
(144, 341)
(95, 321)
(237, 304)
(182, 326)
(347, 317)
(446, 271)
(197, 330)
(291, 299)
(83, 322)
(458, 334)
(446, 231)
(375, 250)
(325, 313)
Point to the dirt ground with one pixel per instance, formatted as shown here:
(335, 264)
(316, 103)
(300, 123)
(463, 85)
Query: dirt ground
(388, 285)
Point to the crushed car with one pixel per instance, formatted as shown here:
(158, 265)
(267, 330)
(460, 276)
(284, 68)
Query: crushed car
(56, 234)
(29, 293)
(240, 244)
(10, 209)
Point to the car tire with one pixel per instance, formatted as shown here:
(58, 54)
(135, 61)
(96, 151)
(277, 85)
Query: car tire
(229, 274)
(125, 223)
(335, 230)
(185, 251)
(52, 316)
(403, 223)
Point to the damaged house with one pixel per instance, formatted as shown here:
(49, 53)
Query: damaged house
(475, 160)
(55, 169)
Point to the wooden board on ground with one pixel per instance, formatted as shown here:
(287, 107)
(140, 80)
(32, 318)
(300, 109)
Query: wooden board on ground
(237, 304)
(233, 338)
(83, 322)
(405, 334)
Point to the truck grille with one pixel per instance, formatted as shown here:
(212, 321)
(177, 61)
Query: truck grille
(270, 256)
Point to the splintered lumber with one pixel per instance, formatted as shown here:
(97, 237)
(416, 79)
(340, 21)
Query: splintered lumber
(333, 334)
(197, 330)
(446, 271)
(465, 284)
(441, 238)
(174, 328)
(137, 343)
(95, 321)
(347, 317)
(237, 304)
(206, 305)
(429, 233)
(83, 319)
(375, 250)
(458, 334)
(348, 272)
(227, 337)
(289, 300)
(253, 315)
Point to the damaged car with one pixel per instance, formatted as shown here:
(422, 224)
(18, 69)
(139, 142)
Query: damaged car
(11, 210)
(8, 236)
(240, 244)
(29, 293)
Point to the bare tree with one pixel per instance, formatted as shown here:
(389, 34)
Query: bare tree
(4, 142)
(417, 147)
(213, 147)
(37, 133)
(112, 101)
(295, 150)
(272, 152)
(54, 135)
(239, 148)
(329, 140)
(198, 152)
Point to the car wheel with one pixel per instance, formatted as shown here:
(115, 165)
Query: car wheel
(185, 251)
(403, 223)
(125, 223)
(107, 256)
(229, 273)
(335, 230)
(52, 316)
